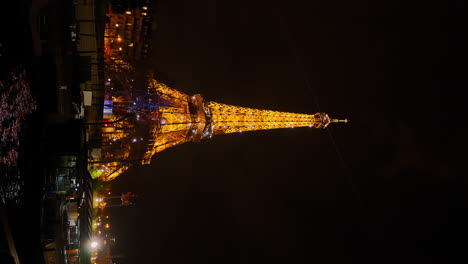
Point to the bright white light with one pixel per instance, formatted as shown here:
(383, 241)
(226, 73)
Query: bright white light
(94, 244)
(134, 140)
(117, 25)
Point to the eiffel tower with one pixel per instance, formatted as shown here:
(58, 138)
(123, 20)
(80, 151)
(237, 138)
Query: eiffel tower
(168, 117)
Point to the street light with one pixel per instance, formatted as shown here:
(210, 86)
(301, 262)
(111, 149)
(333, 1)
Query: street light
(94, 244)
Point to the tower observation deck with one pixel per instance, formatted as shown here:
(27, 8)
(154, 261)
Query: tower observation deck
(180, 118)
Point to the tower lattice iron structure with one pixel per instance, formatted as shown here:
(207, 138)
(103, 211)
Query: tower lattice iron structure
(180, 118)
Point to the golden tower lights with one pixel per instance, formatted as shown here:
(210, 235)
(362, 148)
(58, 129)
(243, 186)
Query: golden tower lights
(183, 118)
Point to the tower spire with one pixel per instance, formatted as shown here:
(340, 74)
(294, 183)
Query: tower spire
(177, 118)
(339, 121)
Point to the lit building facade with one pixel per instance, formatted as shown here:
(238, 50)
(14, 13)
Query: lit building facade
(128, 35)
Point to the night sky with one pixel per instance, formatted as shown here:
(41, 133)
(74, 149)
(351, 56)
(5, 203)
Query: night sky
(389, 187)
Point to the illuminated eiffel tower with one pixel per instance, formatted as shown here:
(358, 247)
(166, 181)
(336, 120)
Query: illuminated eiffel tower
(180, 118)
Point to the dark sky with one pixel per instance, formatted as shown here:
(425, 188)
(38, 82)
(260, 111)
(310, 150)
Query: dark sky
(388, 187)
